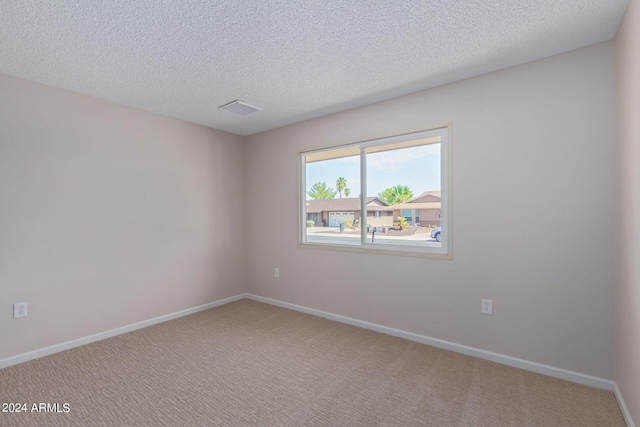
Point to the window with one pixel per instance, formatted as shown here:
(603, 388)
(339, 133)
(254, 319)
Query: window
(408, 215)
(407, 204)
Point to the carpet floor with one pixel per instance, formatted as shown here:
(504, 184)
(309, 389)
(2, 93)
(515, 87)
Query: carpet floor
(253, 364)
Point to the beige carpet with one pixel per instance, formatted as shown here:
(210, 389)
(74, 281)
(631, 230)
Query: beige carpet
(248, 363)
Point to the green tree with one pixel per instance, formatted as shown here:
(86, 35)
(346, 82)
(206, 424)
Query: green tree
(396, 194)
(347, 191)
(341, 184)
(319, 190)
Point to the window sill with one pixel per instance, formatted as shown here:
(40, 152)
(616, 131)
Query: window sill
(396, 251)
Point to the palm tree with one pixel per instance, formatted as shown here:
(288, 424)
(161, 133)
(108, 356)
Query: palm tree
(347, 191)
(396, 194)
(341, 184)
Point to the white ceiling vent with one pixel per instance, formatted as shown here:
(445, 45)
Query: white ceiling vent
(240, 107)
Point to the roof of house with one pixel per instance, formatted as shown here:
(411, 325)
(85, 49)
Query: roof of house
(437, 194)
(352, 204)
(424, 205)
(346, 204)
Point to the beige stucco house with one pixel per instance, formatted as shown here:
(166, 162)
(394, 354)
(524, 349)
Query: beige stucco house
(424, 210)
(332, 212)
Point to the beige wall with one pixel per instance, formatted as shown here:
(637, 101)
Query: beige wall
(431, 217)
(110, 215)
(627, 370)
(384, 220)
(535, 135)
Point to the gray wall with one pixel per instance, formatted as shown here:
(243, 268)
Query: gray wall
(533, 151)
(110, 215)
(627, 362)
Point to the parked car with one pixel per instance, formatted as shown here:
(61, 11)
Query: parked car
(436, 233)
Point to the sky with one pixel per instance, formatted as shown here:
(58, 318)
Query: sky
(416, 167)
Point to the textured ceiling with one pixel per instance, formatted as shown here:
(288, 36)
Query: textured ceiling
(295, 59)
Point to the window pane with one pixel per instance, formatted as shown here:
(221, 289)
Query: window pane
(332, 202)
(406, 177)
(397, 204)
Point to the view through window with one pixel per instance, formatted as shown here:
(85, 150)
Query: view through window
(405, 182)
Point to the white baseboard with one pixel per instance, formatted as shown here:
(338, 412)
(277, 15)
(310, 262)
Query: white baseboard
(446, 345)
(24, 357)
(539, 368)
(623, 406)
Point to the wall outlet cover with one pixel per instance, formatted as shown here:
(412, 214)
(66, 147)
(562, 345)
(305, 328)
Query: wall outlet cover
(19, 310)
(487, 307)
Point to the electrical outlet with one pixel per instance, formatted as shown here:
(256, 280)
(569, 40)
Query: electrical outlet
(19, 310)
(487, 307)
(276, 272)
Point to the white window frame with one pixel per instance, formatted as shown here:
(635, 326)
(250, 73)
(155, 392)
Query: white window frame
(446, 214)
